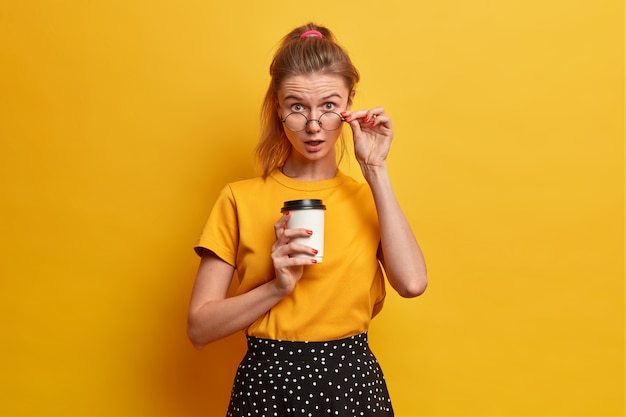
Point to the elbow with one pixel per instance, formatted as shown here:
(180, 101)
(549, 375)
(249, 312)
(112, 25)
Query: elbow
(195, 341)
(414, 288)
(198, 345)
(194, 338)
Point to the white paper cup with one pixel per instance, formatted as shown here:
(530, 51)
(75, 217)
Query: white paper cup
(307, 214)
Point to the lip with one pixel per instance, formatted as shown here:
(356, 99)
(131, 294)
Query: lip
(313, 145)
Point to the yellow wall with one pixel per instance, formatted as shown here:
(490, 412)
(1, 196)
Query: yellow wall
(121, 120)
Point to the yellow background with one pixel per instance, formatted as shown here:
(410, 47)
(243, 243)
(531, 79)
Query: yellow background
(121, 120)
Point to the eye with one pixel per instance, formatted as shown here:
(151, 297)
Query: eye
(329, 106)
(297, 107)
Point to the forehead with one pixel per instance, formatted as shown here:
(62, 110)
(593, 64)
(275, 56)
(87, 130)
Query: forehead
(313, 87)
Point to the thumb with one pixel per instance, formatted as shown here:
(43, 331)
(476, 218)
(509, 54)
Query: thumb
(356, 127)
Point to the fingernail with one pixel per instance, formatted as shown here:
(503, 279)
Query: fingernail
(315, 251)
(348, 118)
(287, 213)
(366, 119)
(343, 113)
(373, 123)
(314, 261)
(309, 232)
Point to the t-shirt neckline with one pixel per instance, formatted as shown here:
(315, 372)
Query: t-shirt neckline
(292, 183)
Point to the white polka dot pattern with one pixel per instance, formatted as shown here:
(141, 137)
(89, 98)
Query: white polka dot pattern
(309, 379)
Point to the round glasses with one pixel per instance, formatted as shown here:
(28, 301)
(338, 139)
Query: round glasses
(297, 122)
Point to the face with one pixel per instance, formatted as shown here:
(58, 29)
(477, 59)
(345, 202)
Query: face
(313, 95)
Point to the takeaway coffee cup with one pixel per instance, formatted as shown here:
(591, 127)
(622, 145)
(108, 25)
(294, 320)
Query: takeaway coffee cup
(308, 214)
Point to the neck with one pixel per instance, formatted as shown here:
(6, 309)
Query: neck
(310, 170)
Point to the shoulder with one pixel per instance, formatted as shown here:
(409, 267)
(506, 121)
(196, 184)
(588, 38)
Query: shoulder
(354, 187)
(248, 188)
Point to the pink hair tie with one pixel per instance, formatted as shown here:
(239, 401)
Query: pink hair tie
(311, 33)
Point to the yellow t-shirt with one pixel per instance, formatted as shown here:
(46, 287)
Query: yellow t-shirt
(334, 299)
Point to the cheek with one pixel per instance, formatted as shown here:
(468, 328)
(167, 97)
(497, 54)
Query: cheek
(291, 136)
(296, 138)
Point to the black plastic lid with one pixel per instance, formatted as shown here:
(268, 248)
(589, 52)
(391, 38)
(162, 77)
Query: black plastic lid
(303, 205)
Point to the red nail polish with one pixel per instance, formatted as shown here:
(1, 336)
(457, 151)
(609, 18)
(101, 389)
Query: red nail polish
(315, 251)
(287, 213)
(314, 261)
(309, 232)
(366, 119)
(373, 123)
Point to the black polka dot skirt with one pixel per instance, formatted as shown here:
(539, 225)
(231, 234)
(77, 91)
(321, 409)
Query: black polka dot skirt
(309, 379)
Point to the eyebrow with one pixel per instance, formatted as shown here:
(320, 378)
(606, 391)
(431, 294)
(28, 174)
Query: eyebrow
(298, 98)
(331, 96)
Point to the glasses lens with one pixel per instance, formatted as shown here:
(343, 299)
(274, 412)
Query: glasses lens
(330, 121)
(296, 122)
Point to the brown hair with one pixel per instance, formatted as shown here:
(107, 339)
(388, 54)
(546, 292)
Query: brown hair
(298, 56)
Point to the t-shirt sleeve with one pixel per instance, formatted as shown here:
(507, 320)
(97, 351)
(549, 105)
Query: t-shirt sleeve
(221, 232)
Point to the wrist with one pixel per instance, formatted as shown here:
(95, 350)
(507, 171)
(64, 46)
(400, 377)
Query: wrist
(279, 290)
(373, 172)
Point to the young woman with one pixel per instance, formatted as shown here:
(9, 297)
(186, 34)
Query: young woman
(306, 322)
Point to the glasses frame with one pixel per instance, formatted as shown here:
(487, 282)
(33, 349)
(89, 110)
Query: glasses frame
(284, 119)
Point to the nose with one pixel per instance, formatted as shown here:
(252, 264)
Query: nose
(313, 125)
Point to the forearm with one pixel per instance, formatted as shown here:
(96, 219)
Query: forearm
(222, 317)
(402, 257)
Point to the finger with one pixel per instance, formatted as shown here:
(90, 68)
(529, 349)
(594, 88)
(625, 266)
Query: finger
(382, 120)
(293, 261)
(299, 262)
(356, 128)
(371, 117)
(355, 115)
(354, 120)
(281, 224)
(297, 232)
(295, 248)
(301, 249)
(285, 246)
(376, 116)
(281, 257)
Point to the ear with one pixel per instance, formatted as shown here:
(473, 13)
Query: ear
(350, 99)
(278, 110)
